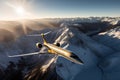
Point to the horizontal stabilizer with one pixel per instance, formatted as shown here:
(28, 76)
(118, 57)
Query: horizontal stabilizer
(40, 34)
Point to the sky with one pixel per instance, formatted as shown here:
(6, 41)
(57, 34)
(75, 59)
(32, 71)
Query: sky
(58, 8)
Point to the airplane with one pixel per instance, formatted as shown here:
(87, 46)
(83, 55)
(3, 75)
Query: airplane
(53, 49)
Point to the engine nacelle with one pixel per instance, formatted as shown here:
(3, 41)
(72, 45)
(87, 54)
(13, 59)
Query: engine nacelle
(38, 45)
(57, 44)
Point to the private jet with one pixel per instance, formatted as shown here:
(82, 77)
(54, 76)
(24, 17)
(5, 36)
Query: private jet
(53, 49)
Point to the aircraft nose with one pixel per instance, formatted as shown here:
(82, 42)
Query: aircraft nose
(77, 58)
(80, 61)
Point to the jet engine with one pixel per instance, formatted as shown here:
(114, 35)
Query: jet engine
(38, 45)
(57, 44)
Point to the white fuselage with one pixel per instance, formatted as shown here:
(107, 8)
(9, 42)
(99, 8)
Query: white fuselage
(62, 52)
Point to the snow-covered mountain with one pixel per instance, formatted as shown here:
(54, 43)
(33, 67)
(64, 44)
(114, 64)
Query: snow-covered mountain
(94, 40)
(89, 50)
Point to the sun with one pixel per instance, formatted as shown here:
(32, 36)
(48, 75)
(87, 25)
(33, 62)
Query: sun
(20, 11)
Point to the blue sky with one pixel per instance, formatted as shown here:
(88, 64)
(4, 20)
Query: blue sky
(73, 8)
(66, 8)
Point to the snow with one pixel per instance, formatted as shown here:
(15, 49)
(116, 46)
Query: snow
(110, 38)
(100, 52)
(82, 46)
(89, 50)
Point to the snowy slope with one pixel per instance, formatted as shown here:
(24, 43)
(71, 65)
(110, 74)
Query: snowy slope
(110, 64)
(87, 49)
(100, 53)
(110, 38)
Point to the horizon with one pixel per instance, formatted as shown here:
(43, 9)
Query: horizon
(39, 9)
(58, 18)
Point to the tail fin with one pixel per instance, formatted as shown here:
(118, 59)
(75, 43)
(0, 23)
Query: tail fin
(44, 40)
(43, 34)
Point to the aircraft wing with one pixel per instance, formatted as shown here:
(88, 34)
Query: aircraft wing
(28, 54)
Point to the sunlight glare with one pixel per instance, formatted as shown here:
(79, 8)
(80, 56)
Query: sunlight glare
(20, 11)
